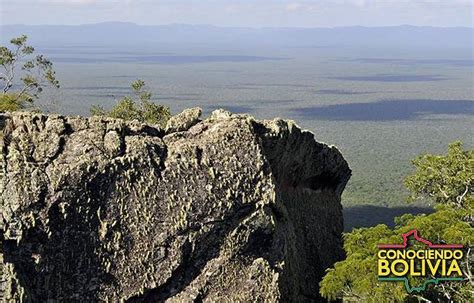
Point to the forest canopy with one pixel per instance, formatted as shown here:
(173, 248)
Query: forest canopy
(447, 181)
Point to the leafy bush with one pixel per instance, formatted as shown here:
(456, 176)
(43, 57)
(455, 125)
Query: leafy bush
(140, 108)
(11, 102)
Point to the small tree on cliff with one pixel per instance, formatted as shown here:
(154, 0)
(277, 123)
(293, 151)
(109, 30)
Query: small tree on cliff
(138, 107)
(447, 180)
(35, 72)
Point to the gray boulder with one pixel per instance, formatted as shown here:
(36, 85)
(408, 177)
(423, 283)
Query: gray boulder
(228, 209)
(184, 120)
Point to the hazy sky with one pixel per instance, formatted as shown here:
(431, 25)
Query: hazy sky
(253, 13)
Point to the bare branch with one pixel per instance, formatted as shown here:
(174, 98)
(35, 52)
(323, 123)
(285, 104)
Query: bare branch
(461, 197)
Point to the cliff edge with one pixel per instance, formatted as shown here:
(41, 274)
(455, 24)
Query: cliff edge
(226, 209)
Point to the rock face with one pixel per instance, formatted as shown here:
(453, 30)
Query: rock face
(227, 209)
(184, 120)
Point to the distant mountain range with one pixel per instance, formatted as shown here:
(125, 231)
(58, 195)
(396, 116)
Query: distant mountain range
(123, 34)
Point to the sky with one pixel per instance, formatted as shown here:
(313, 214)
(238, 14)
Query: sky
(242, 13)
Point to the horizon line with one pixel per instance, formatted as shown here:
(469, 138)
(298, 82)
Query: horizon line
(239, 26)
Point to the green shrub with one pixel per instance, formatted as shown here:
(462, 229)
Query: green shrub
(140, 107)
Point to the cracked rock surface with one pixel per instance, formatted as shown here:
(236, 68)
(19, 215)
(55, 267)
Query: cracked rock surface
(184, 120)
(228, 209)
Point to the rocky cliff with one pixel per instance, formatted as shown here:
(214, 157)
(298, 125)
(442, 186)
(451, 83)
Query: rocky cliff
(226, 209)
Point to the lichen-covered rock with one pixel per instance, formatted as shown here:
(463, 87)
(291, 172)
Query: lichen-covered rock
(230, 210)
(184, 120)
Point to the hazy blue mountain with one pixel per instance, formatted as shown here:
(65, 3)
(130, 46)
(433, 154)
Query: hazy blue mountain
(125, 34)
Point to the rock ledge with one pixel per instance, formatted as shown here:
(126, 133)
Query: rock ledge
(226, 209)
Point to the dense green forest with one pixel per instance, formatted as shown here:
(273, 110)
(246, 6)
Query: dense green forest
(445, 180)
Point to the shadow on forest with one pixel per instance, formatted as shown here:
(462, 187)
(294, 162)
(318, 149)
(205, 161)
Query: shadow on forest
(411, 62)
(369, 215)
(388, 110)
(166, 59)
(392, 78)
